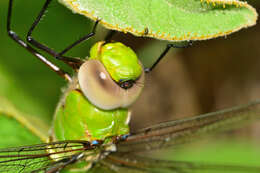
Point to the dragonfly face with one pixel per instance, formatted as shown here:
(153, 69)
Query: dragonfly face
(111, 78)
(89, 117)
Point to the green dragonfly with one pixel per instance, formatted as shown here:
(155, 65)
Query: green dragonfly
(90, 129)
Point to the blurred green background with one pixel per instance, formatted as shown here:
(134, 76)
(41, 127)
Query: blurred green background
(210, 75)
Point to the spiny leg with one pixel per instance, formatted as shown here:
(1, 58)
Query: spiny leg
(86, 37)
(17, 39)
(68, 60)
(76, 62)
(166, 50)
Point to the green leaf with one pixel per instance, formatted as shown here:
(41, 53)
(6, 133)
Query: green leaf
(14, 116)
(22, 120)
(12, 91)
(176, 20)
(14, 133)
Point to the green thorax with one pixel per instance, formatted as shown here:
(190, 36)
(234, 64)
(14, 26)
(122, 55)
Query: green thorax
(120, 61)
(77, 119)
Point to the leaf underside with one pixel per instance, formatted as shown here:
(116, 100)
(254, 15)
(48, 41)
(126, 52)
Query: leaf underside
(174, 20)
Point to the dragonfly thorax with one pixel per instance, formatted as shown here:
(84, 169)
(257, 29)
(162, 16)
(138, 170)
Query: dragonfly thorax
(76, 118)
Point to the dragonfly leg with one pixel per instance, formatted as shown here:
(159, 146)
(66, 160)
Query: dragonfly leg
(17, 39)
(166, 50)
(86, 37)
(73, 62)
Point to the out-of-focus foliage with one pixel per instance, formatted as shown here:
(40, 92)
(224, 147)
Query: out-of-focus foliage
(14, 133)
(35, 81)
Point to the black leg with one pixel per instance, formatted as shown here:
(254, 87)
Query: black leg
(86, 37)
(16, 38)
(35, 23)
(76, 62)
(147, 70)
(68, 60)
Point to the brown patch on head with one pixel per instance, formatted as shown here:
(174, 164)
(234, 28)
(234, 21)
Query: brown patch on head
(102, 77)
(101, 90)
(98, 73)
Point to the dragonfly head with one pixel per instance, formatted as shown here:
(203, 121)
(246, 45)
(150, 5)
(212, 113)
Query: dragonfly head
(112, 77)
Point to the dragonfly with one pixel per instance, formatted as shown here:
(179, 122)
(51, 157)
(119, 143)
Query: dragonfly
(90, 129)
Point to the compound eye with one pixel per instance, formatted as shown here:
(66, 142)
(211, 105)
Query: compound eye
(129, 95)
(101, 90)
(97, 85)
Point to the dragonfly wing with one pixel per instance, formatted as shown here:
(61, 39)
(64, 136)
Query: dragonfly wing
(181, 131)
(138, 164)
(48, 157)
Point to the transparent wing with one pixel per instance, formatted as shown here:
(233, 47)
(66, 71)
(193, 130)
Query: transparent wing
(180, 131)
(48, 157)
(136, 164)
